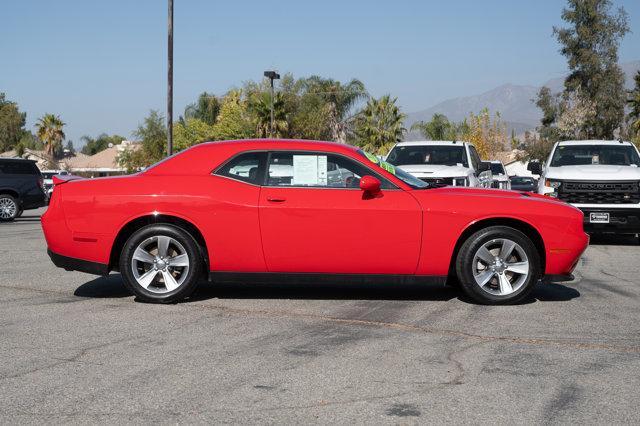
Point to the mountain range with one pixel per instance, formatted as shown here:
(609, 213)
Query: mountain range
(514, 102)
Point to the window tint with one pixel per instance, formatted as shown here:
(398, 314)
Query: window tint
(579, 155)
(18, 168)
(497, 169)
(447, 155)
(248, 167)
(317, 170)
(475, 158)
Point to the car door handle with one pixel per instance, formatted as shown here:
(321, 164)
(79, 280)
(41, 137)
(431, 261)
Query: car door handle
(276, 199)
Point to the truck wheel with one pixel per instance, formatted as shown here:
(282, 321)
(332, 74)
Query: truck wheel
(161, 263)
(498, 265)
(8, 208)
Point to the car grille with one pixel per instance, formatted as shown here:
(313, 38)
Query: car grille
(600, 192)
(438, 181)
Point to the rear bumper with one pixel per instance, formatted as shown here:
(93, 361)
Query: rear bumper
(73, 264)
(30, 202)
(621, 221)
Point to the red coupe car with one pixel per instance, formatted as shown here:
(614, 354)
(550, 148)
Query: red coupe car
(273, 209)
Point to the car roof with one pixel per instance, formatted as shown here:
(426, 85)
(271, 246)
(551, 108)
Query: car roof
(271, 144)
(495, 162)
(593, 142)
(430, 143)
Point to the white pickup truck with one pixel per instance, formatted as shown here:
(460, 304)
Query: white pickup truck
(454, 163)
(601, 178)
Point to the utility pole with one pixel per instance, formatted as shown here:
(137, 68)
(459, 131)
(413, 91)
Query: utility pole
(170, 81)
(272, 75)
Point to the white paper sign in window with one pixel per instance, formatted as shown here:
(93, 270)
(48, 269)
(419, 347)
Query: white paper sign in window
(309, 170)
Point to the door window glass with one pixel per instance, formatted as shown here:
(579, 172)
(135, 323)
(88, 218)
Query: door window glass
(317, 170)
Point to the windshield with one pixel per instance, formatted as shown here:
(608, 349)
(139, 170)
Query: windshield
(444, 155)
(521, 180)
(413, 182)
(610, 155)
(497, 169)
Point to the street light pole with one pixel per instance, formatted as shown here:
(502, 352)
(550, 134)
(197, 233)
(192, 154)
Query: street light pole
(271, 75)
(170, 81)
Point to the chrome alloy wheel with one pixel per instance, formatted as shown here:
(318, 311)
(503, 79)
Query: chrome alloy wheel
(8, 208)
(500, 267)
(160, 264)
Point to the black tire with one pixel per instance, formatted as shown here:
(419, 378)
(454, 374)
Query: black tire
(465, 266)
(192, 275)
(8, 201)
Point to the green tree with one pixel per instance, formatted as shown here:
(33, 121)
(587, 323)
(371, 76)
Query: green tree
(379, 125)
(634, 105)
(205, 109)
(100, 143)
(11, 124)
(439, 128)
(590, 44)
(191, 132)
(50, 132)
(260, 108)
(234, 121)
(70, 147)
(339, 100)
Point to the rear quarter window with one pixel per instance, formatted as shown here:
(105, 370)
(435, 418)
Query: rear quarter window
(18, 168)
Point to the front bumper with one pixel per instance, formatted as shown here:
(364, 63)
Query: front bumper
(621, 221)
(73, 264)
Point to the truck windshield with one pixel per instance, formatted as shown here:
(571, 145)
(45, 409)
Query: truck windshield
(428, 154)
(610, 155)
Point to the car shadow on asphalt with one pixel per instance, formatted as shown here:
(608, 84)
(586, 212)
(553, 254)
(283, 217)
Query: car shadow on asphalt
(614, 240)
(113, 287)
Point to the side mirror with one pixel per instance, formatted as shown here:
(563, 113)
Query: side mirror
(535, 167)
(370, 185)
(484, 166)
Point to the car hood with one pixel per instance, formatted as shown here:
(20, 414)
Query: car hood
(435, 170)
(593, 172)
(490, 193)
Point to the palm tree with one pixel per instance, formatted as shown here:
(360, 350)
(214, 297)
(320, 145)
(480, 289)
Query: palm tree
(206, 108)
(260, 107)
(49, 131)
(438, 129)
(380, 125)
(339, 98)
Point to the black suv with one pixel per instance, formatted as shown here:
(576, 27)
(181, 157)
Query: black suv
(20, 188)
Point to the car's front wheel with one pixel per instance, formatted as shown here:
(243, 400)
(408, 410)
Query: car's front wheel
(8, 208)
(498, 265)
(161, 263)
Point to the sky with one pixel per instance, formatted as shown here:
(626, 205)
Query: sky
(101, 65)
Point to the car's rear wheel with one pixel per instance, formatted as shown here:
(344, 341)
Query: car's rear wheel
(498, 265)
(8, 208)
(161, 263)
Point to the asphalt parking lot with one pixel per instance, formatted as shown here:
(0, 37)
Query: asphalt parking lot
(78, 348)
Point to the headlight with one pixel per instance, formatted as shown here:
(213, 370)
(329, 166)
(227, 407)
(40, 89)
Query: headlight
(460, 181)
(555, 184)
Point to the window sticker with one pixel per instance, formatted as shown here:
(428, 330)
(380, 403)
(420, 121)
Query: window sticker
(388, 167)
(372, 158)
(309, 170)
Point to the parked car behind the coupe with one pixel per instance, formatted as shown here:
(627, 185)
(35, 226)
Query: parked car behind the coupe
(48, 175)
(20, 187)
(524, 183)
(273, 209)
(499, 175)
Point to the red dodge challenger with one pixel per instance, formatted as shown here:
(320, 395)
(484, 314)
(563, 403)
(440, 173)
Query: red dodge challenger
(265, 210)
